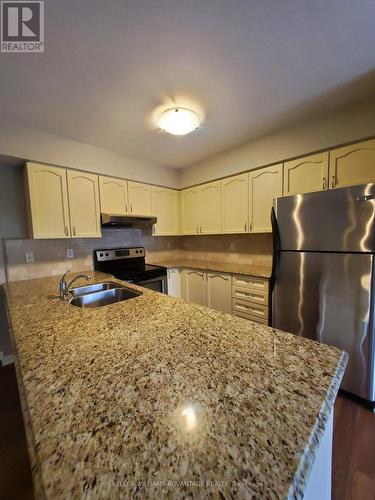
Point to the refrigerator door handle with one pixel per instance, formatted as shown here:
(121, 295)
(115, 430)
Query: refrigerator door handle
(276, 248)
(275, 258)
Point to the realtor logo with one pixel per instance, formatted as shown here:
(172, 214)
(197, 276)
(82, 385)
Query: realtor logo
(22, 26)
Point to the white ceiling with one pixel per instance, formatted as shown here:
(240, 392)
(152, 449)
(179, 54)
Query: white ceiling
(253, 67)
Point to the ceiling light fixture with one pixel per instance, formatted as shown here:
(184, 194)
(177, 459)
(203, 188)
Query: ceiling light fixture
(179, 121)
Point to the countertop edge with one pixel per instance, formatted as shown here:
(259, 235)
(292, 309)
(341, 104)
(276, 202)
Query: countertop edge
(38, 484)
(302, 475)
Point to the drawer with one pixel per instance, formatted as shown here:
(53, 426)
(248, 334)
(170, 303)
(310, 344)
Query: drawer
(250, 317)
(250, 282)
(248, 308)
(250, 295)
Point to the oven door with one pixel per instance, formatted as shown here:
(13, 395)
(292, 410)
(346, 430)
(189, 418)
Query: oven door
(158, 284)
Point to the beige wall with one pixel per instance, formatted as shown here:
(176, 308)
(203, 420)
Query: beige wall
(12, 225)
(349, 124)
(32, 144)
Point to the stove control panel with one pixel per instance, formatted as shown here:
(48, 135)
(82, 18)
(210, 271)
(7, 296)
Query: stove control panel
(119, 253)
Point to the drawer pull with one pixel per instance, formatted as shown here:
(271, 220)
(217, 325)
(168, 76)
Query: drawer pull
(248, 308)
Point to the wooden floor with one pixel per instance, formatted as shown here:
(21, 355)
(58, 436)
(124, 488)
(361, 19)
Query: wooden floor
(353, 447)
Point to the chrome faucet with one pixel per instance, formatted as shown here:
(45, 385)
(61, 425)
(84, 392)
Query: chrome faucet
(64, 288)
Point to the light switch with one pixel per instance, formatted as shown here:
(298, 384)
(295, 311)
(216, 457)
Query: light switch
(29, 257)
(69, 253)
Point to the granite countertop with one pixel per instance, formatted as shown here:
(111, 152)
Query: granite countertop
(222, 267)
(158, 398)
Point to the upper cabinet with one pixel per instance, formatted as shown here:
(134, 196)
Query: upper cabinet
(48, 201)
(352, 165)
(165, 206)
(139, 198)
(189, 210)
(62, 203)
(201, 209)
(264, 185)
(234, 204)
(209, 207)
(306, 174)
(113, 195)
(83, 193)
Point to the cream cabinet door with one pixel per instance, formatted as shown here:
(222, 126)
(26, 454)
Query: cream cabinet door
(194, 286)
(113, 195)
(165, 206)
(219, 292)
(306, 174)
(48, 201)
(235, 204)
(352, 165)
(83, 192)
(139, 198)
(189, 199)
(209, 208)
(174, 282)
(264, 185)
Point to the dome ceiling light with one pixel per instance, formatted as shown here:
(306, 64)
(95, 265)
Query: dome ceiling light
(179, 121)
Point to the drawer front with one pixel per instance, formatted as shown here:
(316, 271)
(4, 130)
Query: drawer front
(250, 317)
(242, 306)
(250, 295)
(250, 282)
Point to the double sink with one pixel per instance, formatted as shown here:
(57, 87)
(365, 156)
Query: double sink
(101, 294)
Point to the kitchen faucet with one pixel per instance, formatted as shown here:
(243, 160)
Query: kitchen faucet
(64, 288)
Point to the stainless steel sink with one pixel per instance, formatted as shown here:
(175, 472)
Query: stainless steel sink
(95, 287)
(104, 297)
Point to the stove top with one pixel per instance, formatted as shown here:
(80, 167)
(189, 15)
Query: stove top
(127, 264)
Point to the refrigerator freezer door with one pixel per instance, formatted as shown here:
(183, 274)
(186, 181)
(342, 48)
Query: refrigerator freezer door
(340, 220)
(327, 297)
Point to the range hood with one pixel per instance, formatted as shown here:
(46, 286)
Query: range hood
(136, 221)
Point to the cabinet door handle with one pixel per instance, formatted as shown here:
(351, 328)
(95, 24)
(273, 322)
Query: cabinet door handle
(250, 226)
(333, 181)
(126, 207)
(245, 227)
(66, 231)
(201, 229)
(74, 230)
(131, 207)
(324, 185)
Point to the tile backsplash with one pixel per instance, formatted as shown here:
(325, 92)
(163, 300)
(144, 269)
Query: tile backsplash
(50, 255)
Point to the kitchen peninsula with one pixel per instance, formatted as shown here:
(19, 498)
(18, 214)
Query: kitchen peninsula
(156, 397)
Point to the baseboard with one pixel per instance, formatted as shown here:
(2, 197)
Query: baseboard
(7, 360)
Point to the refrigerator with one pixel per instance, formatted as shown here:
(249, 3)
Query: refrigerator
(322, 282)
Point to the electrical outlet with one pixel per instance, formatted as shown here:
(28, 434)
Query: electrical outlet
(29, 257)
(232, 246)
(69, 253)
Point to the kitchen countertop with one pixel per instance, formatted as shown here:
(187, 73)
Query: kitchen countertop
(158, 398)
(222, 267)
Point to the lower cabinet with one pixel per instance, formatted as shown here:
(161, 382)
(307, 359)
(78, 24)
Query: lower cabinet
(174, 282)
(219, 292)
(193, 286)
(250, 298)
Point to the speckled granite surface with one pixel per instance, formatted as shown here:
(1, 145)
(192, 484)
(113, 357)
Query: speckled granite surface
(222, 267)
(158, 398)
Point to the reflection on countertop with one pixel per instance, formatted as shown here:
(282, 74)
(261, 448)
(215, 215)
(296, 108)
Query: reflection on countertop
(159, 398)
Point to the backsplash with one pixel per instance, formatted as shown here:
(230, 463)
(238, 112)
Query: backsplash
(242, 248)
(50, 255)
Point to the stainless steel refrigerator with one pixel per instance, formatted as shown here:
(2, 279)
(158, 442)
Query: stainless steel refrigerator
(323, 275)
